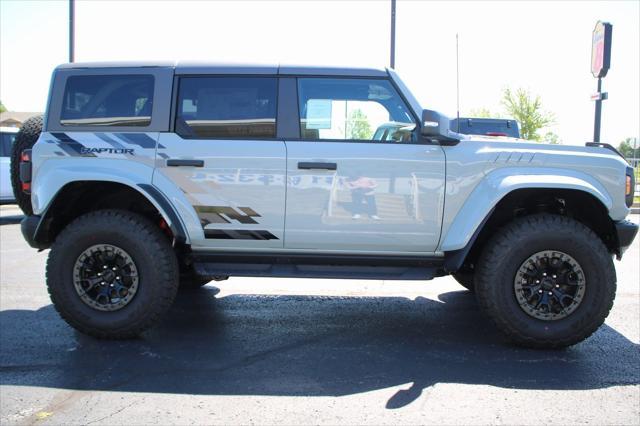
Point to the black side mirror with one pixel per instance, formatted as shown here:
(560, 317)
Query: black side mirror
(436, 126)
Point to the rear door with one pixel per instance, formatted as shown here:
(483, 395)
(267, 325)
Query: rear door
(359, 177)
(225, 158)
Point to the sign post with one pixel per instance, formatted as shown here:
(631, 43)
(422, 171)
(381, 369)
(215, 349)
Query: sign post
(600, 62)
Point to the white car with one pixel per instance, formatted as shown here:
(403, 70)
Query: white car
(7, 136)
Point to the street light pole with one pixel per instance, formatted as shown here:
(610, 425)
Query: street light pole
(71, 30)
(392, 62)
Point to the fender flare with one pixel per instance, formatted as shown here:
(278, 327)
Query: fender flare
(498, 184)
(149, 192)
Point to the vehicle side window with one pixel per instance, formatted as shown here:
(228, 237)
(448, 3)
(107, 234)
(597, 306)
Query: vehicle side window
(6, 141)
(353, 109)
(108, 100)
(227, 107)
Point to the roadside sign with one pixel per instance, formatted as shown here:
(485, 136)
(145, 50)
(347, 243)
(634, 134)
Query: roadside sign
(601, 49)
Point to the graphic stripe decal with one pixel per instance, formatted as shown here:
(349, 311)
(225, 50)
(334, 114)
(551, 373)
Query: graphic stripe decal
(238, 234)
(225, 214)
(141, 139)
(70, 146)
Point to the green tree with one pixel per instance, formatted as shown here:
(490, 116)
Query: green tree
(358, 126)
(626, 148)
(482, 113)
(551, 138)
(2, 107)
(527, 110)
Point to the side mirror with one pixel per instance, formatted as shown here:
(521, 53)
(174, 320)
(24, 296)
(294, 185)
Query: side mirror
(437, 127)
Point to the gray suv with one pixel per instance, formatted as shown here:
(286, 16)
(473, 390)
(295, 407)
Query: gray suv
(146, 177)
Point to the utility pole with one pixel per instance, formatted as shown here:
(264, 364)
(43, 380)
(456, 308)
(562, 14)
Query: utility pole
(392, 62)
(72, 12)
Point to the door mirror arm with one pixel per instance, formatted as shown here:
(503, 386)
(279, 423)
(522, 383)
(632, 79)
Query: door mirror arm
(435, 127)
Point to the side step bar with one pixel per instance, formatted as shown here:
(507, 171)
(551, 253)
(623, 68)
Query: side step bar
(318, 266)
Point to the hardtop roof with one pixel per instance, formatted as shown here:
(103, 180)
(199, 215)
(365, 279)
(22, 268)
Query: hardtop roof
(195, 67)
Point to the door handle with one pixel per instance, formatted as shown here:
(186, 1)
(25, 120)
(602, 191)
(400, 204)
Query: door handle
(173, 162)
(320, 166)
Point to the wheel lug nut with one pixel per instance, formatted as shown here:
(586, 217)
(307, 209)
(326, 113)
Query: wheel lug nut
(99, 274)
(114, 268)
(540, 291)
(544, 274)
(557, 285)
(102, 283)
(554, 276)
(537, 281)
(117, 278)
(550, 294)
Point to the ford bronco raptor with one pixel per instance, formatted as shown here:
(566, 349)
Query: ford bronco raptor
(145, 177)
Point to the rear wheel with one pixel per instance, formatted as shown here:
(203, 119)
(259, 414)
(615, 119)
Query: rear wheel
(25, 139)
(547, 281)
(112, 274)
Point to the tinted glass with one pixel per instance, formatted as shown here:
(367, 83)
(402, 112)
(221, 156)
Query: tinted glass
(227, 107)
(108, 100)
(6, 140)
(353, 109)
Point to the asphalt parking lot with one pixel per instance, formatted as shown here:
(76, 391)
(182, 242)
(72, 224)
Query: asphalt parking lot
(291, 351)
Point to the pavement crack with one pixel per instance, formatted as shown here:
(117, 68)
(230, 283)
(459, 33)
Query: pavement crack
(111, 415)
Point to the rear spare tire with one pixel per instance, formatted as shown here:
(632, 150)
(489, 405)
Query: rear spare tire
(112, 274)
(547, 281)
(25, 139)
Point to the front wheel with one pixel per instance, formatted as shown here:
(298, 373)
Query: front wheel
(112, 274)
(547, 281)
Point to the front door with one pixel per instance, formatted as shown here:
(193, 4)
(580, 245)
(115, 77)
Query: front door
(359, 179)
(226, 160)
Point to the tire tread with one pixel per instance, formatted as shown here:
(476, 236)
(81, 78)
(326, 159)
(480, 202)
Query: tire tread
(504, 241)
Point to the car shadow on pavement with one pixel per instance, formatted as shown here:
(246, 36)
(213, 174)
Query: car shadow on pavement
(304, 346)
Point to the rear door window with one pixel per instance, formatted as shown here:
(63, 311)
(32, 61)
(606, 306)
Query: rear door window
(108, 100)
(227, 107)
(6, 141)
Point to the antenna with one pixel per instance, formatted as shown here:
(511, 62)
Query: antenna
(458, 82)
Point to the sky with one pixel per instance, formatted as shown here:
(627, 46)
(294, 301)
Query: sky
(542, 46)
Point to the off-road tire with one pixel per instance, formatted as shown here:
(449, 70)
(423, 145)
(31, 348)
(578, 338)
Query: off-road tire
(190, 281)
(511, 246)
(151, 252)
(465, 279)
(25, 139)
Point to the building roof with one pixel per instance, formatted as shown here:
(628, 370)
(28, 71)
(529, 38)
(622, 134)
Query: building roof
(17, 116)
(193, 67)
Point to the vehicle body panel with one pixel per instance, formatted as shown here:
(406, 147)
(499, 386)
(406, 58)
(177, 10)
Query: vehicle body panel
(481, 171)
(383, 196)
(241, 189)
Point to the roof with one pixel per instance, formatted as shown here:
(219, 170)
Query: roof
(194, 67)
(17, 116)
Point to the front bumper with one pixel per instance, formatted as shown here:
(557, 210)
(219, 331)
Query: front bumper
(626, 232)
